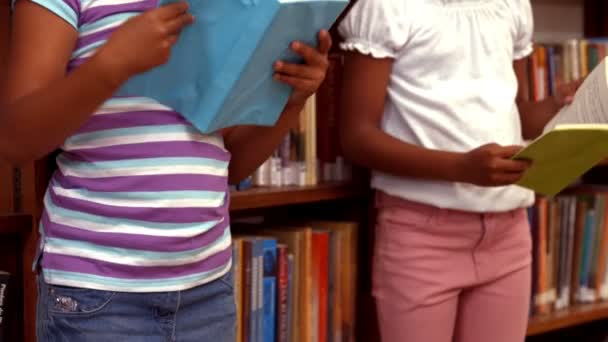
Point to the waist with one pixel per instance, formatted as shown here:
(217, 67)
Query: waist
(459, 197)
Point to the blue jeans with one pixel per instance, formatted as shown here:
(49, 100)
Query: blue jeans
(204, 313)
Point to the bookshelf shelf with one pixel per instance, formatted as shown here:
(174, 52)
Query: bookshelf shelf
(15, 224)
(258, 198)
(576, 315)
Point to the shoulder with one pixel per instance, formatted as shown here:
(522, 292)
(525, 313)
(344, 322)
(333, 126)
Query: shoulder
(382, 25)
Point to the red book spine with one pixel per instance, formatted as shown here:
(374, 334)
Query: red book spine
(282, 287)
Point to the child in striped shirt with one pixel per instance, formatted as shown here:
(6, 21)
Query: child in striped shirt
(135, 232)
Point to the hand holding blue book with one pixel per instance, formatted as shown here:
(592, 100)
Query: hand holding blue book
(220, 71)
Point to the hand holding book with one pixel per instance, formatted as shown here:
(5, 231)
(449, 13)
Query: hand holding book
(305, 78)
(220, 73)
(574, 141)
(491, 165)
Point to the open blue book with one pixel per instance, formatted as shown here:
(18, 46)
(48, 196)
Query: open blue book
(220, 71)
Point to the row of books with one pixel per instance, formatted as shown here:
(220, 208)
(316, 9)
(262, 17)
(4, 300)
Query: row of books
(296, 284)
(570, 234)
(309, 154)
(552, 64)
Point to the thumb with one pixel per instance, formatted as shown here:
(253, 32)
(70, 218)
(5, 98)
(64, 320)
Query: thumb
(509, 151)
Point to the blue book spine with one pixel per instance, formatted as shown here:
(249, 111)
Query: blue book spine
(290, 270)
(270, 285)
(552, 70)
(587, 249)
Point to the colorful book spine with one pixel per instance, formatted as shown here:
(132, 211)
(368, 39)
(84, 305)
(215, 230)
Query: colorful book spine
(270, 285)
(282, 289)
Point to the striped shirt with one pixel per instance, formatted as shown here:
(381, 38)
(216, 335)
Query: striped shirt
(139, 202)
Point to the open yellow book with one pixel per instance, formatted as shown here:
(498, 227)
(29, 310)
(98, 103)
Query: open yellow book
(574, 141)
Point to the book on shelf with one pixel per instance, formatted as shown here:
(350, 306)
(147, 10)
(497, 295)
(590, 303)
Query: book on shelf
(307, 281)
(552, 64)
(220, 73)
(574, 141)
(570, 250)
(4, 283)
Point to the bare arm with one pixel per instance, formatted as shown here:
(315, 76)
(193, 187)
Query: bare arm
(535, 115)
(250, 146)
(40, 122)
(364, 142)
(44, 106)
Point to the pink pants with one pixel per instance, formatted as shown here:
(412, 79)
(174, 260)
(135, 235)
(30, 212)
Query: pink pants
(443, 275)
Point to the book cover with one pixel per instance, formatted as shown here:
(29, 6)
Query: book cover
(220, 73)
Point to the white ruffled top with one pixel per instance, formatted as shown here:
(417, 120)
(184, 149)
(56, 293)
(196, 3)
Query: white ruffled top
(452, 85)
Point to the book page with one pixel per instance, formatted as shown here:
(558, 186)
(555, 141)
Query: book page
(590, 104)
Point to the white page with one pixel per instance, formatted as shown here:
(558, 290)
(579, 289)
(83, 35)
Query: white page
(590, 105)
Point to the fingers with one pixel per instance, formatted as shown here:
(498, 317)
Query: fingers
(299, 70)
(324, 42)
(312, 56)
(170, 41)
(508, 151)
(298, 83)
(175, 25)
(508, 165)
(171, 11)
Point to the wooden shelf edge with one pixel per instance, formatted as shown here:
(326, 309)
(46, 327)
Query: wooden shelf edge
(15, 223)
(258, 198)
(576, 315)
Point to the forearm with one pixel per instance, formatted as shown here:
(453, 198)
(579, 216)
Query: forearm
(35, 124)
(250, 146)
(370, 147)
(535, 115)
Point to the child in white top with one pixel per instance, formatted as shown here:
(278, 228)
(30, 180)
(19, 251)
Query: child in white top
(434, 104)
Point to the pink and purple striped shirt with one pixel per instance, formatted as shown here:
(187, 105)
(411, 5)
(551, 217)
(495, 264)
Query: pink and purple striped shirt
(139, 202)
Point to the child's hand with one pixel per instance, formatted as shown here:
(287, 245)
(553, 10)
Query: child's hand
(305, 78)
(144, 41)
(566, 91)
(490, 165)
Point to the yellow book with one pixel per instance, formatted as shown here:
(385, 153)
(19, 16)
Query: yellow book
(574, 141)
(584, 58)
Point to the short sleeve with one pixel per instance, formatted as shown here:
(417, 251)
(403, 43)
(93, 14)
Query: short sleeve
(524, 29)
(67, 10)
(375, 27)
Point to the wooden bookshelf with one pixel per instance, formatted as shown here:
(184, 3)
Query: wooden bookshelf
(577, 315)
(258, 198)
(15, 224)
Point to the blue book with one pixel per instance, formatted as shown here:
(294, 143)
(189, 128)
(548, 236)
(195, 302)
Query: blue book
(220, 71)
(552, 70)
(270, 285)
